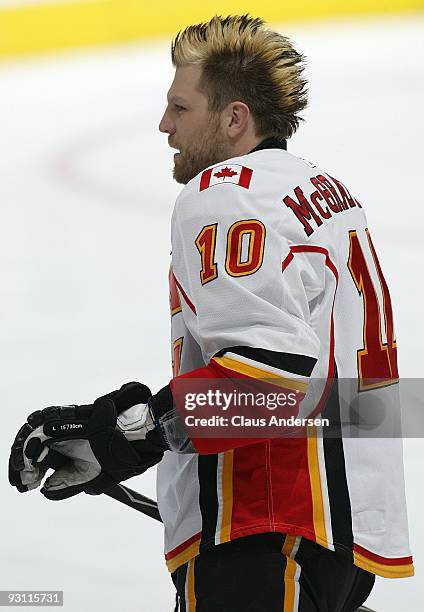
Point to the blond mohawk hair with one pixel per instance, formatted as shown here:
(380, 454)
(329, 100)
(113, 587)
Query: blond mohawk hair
(242, 60)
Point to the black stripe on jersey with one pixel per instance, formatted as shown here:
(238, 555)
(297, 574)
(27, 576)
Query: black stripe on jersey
(338, 492)
(208, 498)
(290, 362)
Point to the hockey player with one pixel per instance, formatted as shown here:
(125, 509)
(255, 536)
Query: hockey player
(274, 277)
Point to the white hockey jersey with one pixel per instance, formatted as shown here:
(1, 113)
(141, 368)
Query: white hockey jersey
(271, 255)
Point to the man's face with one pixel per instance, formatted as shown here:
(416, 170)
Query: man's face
(192, 128)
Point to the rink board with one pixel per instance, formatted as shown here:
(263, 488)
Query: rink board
(45, 27)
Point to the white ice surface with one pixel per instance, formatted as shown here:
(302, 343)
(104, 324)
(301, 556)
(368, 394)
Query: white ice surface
(86, 195)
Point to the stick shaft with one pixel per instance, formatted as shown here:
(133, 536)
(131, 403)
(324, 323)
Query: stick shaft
(135, 500)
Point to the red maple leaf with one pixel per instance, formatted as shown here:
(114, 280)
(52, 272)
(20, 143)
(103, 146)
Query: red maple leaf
(225, 172)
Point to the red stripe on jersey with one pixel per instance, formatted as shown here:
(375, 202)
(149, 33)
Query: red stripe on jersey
(382, 560)
(287, 261)
(308, 248)
(175, 551)
(185, 296)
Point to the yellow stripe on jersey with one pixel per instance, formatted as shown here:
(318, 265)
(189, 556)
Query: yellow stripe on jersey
(184, 556)
(290, 578)
(380, 569)
(190, 593)
(290, 586)
(255, 372)
(316, 488)
(288, 545)
(227, 496)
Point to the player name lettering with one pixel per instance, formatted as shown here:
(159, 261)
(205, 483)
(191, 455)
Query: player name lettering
(330, 197)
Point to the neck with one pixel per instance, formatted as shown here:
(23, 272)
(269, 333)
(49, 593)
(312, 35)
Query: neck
(246, 144)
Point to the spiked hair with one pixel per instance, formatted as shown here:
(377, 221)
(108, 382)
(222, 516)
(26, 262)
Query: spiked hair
(242, 60)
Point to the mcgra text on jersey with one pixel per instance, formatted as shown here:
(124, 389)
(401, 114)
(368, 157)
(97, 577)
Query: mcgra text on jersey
(330, 197)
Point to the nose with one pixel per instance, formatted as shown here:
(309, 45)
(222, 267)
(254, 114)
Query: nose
(166, 125)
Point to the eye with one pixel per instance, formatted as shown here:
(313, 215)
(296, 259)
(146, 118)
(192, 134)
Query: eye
(179, 108)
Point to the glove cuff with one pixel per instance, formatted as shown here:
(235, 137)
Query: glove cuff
(161, 403)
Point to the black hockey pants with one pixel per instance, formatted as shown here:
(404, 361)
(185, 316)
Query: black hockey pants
(271, 572)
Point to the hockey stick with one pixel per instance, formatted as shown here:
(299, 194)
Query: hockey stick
(135, 500)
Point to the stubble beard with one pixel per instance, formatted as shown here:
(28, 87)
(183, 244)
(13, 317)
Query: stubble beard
(210, 149)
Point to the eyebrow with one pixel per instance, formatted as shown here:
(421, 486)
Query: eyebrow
(177, 100)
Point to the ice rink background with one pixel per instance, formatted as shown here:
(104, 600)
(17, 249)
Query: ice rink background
(86, 194)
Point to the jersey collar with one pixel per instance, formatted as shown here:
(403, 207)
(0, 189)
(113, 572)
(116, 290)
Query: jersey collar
(270, 143)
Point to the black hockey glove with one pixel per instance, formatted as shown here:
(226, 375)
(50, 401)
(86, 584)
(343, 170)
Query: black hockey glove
(91, 448)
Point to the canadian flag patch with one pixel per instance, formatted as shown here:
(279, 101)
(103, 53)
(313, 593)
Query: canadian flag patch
(227, 173)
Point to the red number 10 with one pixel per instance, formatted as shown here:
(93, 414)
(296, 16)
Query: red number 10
(235, 265)
(377, 362)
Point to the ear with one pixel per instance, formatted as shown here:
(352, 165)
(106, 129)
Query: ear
(236, 117)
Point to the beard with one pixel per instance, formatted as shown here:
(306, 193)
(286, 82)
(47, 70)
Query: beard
(210, 149)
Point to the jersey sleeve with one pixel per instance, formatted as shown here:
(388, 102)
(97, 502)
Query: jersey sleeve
(250, 321)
